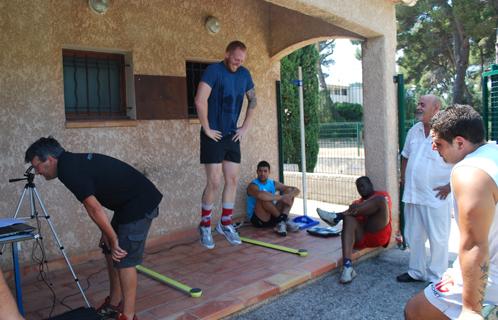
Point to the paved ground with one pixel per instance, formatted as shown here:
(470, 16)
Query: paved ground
(234, 278)
(374, 294)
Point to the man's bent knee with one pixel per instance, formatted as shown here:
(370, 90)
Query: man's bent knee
(213, 184)
(349, 222)
(267, 204)
(231, 180)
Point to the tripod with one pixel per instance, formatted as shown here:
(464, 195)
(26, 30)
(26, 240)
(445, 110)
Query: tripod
(34, 196)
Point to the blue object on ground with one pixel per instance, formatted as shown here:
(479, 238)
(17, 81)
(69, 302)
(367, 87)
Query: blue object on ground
(305, 222)
(324, 232)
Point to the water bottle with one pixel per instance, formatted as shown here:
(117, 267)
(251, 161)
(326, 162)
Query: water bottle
(399, 241)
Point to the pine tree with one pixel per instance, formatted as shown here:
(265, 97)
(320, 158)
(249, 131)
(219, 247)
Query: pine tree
(443, 42)
(307, 58)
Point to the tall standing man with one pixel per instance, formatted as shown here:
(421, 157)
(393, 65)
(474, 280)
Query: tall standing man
(458, 136)
(426, 186)
(219, 100)
(100, 181)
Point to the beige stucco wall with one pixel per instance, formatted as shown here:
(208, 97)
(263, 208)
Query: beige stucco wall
(160, 35)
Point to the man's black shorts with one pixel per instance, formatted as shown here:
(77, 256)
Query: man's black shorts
(218, 151)
(258, 223)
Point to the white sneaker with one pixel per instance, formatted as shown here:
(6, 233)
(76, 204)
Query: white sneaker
(291, 226)
(348, 274)
(328, 216)
(229, 232)
(206, 237)
(281, 229)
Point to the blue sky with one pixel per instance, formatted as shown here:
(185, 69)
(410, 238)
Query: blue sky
(346, 69)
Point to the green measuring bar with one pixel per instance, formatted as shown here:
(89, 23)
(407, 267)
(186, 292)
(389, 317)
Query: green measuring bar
(299, 252)
(194, 292)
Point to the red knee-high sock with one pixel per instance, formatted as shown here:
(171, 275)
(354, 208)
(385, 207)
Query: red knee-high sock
(206, 218)
(226, 216)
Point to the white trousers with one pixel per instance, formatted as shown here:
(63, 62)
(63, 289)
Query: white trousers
(422, 223)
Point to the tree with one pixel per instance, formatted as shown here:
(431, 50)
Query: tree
(307, 58)
(440, 38)
(349, 112)
(326, 50)
(325, 104)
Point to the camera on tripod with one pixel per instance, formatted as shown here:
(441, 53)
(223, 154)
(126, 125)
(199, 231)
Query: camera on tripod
(33, 199)
(28, 175)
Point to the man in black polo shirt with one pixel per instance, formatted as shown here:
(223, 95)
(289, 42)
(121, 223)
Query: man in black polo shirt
(101, 181)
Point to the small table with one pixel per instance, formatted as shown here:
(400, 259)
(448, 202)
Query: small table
(14, 240)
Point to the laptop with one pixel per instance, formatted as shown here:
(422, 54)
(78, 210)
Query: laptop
(15, 229)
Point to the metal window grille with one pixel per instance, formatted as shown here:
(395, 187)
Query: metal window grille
(94, 85)
(194, 75)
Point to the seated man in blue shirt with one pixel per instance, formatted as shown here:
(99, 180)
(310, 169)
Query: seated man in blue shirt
(266, 208)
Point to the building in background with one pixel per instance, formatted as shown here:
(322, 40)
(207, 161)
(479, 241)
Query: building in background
(352, 93)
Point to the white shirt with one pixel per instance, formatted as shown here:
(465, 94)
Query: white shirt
(486, 159)
(425, 170)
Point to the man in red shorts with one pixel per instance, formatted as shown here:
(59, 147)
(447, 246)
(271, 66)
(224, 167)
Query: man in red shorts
(366, 224)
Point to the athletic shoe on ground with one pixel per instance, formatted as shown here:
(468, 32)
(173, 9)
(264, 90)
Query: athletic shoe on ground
(281, 228)
(348, 274)
(328, 217)
(123, 317)
(107, 310)
(206, 237)
(229, 232)
(291, 226)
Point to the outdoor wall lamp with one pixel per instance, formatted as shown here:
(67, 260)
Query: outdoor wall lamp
(212, 25)
(99, 6)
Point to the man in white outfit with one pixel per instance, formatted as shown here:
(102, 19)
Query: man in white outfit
(458, 136)
(426, 186)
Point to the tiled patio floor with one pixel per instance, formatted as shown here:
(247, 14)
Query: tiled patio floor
(231, 277)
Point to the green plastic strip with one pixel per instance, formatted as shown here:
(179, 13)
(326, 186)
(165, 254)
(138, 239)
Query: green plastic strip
(194, 292)
(299, 252)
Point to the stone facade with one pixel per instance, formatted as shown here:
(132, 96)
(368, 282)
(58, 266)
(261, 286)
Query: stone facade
(159, 36)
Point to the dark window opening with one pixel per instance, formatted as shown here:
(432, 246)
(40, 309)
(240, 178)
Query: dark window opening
(194, 75)
(94, 85)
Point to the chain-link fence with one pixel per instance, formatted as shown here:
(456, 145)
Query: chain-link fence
(341, 159)
(490, 102)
